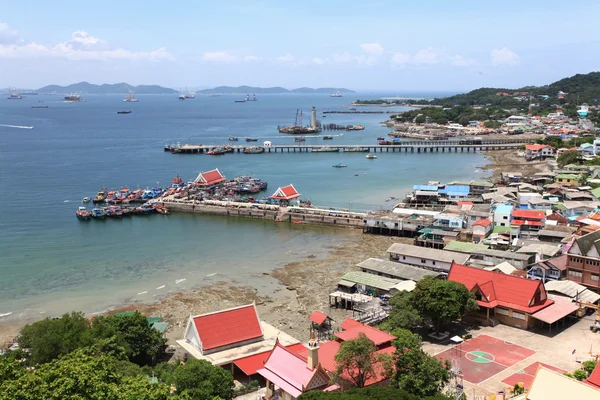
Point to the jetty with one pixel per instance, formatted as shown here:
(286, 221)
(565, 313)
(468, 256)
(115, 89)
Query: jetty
(422, 146)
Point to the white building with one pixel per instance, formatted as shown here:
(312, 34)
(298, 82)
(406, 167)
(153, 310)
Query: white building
(502, 215)
(437, 260)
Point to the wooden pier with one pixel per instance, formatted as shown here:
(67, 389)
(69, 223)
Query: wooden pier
(422, 146)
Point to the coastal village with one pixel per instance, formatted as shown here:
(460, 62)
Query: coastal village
(524, 245)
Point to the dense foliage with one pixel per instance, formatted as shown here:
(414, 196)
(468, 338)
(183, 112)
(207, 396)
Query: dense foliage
(404, 314)
(356, 361)
(568, 157)
(461, 115)
(370, 393)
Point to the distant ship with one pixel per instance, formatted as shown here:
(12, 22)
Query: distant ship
(251, 99)
(73, 97)
(190, 95)
(215, 94)
(130, 98)
(181, 96)
(14, 95)
(336, 94)
(29, 93)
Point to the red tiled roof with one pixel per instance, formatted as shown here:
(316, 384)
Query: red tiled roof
(594, 377)
(482, 222)
(350, 323)
(288, 192)
(227, 327)
(249, 365)
(503, 290)
(528, 214)
(523, 222)
(537, 147)
(209, 178)
(378, 337)
(318, 317)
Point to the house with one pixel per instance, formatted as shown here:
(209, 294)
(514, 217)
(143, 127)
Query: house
(437, 260)
(455, 192)
(540, 203)
(464, 247)
(481, 229)
(394, 270)
(209, 178)
(548, 270)
(503, 267)
(538, 151)
(504, 298)
(574, 209)
(572, 291)
(516, 119)
(365, 283)
(470, 213)
(551, 385)
(224, 336)
(489, 257)
(401, 222)
(552, 233)
(541, 250)
(285, 193)
(528, 220)
(449, 220)
(502, 215)
(568, 180)
(583, 261)
(288, 375)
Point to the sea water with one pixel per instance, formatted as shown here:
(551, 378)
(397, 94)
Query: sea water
(50, 158)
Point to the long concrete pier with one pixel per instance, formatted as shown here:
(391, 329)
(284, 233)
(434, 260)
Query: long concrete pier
(438, 146)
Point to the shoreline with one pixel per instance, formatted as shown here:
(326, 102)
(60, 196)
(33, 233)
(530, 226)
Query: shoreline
(300, 287)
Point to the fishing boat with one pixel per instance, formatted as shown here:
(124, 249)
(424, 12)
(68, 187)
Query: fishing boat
(380, 138)
(251, 99)
(370, 156)
(181, 96)
(239, 101)
(189, 95)
(130, 98)
(72, 98)
(101, 196)
(162, 210)
(216, 151)
(124, 112)
(325, 150)
(113, 212)
(327, 137)
(251, 140)
(14, 95)
(355, 128)
(253, 150)
(340, 165)
(233, 139)
(98, 213)
(336, 94)
(177, 180)
(83, 214)
(86, 200)
(300, 139)
(356, 150)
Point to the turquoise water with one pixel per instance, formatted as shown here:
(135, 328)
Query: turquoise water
(50, 262)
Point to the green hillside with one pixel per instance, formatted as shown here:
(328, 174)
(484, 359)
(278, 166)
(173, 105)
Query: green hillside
(86, 87)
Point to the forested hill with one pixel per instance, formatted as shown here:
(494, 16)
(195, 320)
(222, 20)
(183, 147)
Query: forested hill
(578, 89)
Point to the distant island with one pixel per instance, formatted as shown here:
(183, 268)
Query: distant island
(276, 89)
(90, 88)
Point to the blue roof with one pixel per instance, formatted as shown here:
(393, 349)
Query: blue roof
(425, 187)
(504, 209)
(456, 190)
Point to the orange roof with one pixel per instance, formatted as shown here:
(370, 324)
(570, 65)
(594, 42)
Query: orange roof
(249, 365)
(378, 337)
(500, 289)
(482, 222)
(318, 317)
(209, 178)
(537, 147)
(227, 327)
(288, 192)
(350, 323)
(528, 214)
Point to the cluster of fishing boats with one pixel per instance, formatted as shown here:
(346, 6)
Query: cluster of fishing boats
(83, 214)
(125, 196)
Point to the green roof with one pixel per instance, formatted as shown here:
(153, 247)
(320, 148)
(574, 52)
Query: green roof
(464, 247)
(371, 280)
(586, 242)
(500, 229)
(596, 192)
(559, 206)
(567, 176)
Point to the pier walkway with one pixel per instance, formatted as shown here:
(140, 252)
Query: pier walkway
(420, 146)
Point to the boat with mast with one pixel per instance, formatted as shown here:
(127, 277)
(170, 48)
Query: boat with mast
(189, 95)
(336, 94)
(297, 128)
(14, 94)
(130, 98)
(72, 98)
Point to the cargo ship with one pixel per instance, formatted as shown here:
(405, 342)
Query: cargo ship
(72, 98)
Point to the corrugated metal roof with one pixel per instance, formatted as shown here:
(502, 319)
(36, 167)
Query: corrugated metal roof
(464, 247)
(571, 289)
(396, 269)
(502, 254)
(371, 280)
(427, 253)
(425, 187)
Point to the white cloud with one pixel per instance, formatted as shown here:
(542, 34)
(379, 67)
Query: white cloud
(372, 48)
(219, 56)
(426, 56)
(288, 58)
(504, 56)
(251, 58)
(342, 58)
(460, 61)
(81, 47)
(8, 35)
(401, 58)
(318, 60)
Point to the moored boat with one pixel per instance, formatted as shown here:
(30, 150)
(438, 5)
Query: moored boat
(370, 156)
(233, 139)
(216, 152)
(83, 214)
(340, 165)
(325, 150)
(162, 210)
(327, 137)
(300, 139)
(356, 150)
(251, 140)
(86, 200)
(101, 196)
(98, 213)
(253, 150)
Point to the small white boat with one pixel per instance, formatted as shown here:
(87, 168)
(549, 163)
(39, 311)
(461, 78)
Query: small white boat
(370, 156)
(86, 200)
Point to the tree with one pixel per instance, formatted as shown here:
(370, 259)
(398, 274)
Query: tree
(356, 361)
(580, 374)
(368, 393)
(405, 339)
(201, 380)
(441, 302)
(403, 314)
(419, 373)
(588, 366)
(50, 338)
(568, 157)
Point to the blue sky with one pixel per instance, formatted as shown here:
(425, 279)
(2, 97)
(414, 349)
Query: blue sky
(363, 45)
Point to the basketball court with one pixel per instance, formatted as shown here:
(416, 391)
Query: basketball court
(484, 356)
(526, 375)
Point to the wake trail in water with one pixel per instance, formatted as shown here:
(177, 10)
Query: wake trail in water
(17, 126)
